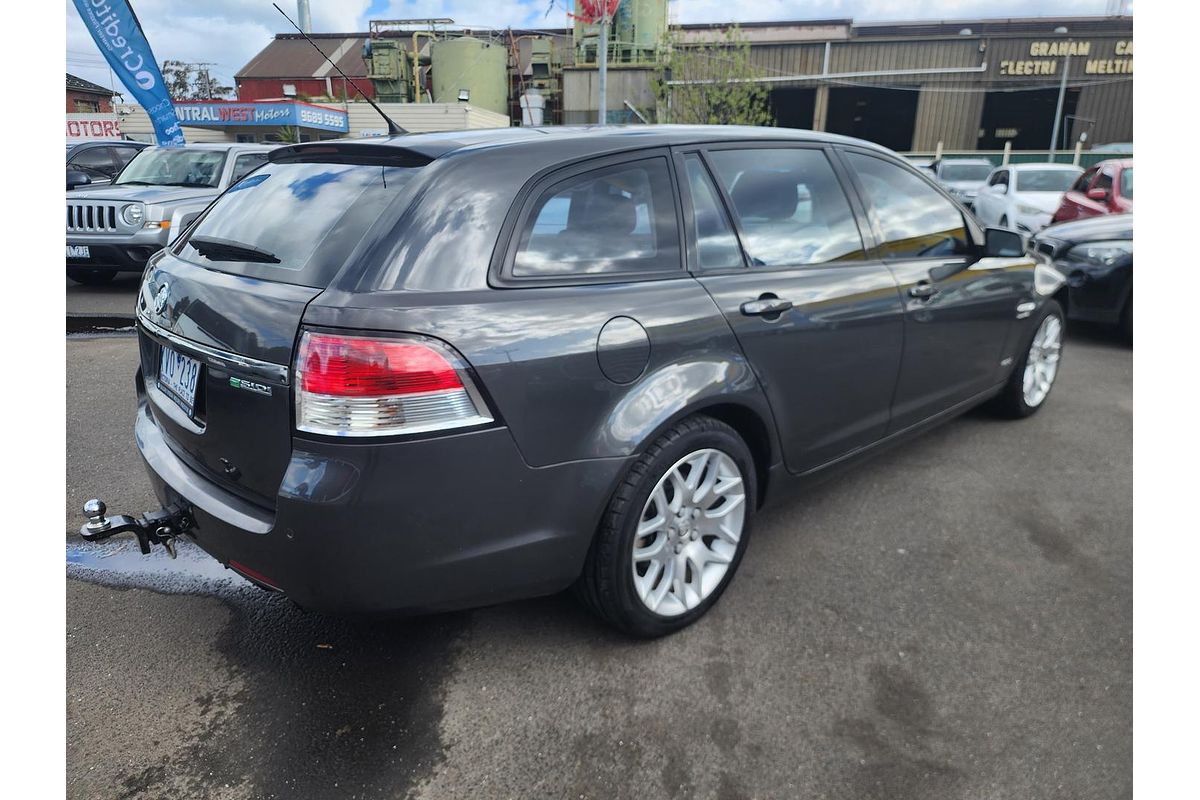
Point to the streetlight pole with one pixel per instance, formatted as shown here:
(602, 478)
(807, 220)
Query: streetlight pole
(602, 67)
(1062, 94)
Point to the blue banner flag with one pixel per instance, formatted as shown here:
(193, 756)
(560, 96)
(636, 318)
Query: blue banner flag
(119, 36)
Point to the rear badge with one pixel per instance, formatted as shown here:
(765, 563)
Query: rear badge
(250, 386)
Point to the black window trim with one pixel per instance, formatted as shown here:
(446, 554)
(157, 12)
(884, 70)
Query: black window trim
(500, 272)
(866, 234)
(969, 223)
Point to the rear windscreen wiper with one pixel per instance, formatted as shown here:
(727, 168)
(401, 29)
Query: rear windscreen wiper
(225, 250)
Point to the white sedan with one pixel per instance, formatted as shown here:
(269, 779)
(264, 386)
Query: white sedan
(1023, 197)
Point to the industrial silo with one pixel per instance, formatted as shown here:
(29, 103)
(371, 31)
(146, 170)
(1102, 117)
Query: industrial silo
(474, 66)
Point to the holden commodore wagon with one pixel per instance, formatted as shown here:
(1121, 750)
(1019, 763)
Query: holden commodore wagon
(436, 371)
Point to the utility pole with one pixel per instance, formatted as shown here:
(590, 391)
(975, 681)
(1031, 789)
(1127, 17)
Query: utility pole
(602, 68)
(1062, 94)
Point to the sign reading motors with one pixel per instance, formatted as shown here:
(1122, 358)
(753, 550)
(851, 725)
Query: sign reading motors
(82, 127)
(225, 115)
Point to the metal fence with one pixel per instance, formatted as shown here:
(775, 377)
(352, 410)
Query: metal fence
(1000, 157)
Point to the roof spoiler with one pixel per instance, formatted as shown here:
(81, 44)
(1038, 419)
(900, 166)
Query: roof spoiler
(343, 152)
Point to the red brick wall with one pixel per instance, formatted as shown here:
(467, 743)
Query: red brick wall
(104, 101)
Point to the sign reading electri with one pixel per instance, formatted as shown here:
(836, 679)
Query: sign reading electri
(1044, 59)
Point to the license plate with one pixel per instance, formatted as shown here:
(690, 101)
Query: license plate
(177, 377)
(78, 251)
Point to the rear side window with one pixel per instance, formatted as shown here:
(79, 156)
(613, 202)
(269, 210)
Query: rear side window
(619, 219)
(790, 206)
(716, 243)
(245, 163)
(294, 223)
(916, 221)
(1127, 183)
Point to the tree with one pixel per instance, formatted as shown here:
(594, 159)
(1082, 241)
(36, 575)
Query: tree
(710, 82)
(186, 81)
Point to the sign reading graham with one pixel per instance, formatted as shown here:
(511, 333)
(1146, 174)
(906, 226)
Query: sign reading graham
(1044, 59)
(218, 114)
(118, 34)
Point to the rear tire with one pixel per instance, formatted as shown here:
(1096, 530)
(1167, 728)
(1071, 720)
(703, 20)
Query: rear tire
(90, 277)
(1021, 396)
(663, 556)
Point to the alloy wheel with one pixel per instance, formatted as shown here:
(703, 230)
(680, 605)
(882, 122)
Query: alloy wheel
(1041, 366)
(688, 532)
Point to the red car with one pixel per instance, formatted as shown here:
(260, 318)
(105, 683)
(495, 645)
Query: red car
(1105, 188)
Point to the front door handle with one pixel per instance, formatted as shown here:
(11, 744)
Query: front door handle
(766, 306)
(923, 290)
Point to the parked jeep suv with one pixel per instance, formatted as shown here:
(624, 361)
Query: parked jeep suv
(436, 371)
(116, 228)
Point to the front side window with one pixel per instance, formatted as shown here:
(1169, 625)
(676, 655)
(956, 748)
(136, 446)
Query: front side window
(174, 166)
(1105, 182)
(999, 179)
(293, 223)
(916, 221)
(619, 219)
(790, 206)
(716, 243)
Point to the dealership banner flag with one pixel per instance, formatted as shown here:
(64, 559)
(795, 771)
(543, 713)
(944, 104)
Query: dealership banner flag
(119, 36)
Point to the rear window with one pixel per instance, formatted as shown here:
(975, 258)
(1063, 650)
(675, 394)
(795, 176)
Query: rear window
(294, 223)
(966, 172)
(1045, 180)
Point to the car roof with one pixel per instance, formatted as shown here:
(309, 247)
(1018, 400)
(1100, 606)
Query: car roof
(1042, 165)
(588, 137)
(221, 146)
(966, 161)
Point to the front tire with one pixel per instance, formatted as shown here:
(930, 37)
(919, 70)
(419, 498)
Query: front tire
(90, 277)
(1034, 374)
(674, 531)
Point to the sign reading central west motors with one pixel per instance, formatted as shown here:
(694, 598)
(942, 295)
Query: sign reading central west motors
(218, 114)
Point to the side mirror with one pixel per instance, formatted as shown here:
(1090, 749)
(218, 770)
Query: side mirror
(1002, 243)
(76, 178)
(1002, 188)
(1097, 194)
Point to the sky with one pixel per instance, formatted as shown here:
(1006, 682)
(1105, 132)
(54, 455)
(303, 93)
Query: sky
(228, 33)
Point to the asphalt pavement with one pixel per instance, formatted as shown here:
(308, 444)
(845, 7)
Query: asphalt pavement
(950, 620)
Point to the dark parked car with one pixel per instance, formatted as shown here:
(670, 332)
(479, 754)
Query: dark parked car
(97, 163)
(1096, 256)
(436, 371)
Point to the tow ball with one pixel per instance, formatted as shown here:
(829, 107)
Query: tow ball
(154, 527)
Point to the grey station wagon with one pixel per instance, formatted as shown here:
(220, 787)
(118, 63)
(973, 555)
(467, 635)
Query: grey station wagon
(436, 371)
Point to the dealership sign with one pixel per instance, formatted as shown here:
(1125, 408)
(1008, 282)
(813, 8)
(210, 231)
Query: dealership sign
(223, 115)
(83, 127)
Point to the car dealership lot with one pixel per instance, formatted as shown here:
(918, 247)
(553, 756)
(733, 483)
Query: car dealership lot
(951, 619)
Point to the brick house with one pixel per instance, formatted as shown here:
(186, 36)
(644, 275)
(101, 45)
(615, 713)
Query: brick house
(85, 97)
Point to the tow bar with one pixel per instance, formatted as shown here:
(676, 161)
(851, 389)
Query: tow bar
(154, 527)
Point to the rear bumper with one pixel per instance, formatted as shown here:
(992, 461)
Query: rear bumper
(423, 525)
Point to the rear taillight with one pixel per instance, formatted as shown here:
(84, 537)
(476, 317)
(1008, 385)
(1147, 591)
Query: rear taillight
(365, 386)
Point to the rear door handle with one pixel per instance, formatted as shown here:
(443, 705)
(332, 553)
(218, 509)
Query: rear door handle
(922, 290)
(766, 306)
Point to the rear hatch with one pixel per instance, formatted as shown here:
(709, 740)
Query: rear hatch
(221, 310)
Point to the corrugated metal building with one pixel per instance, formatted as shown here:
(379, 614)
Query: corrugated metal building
(969, 84)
